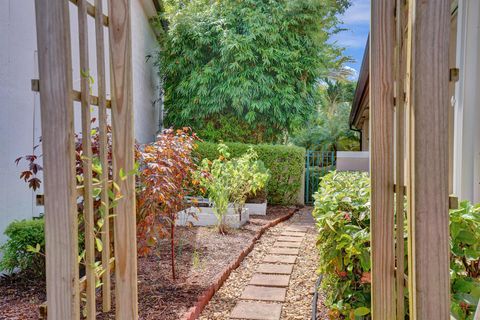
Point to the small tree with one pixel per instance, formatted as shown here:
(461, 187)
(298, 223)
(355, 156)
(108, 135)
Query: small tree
(231, 180)
(213, 178)
(166, 168)
(248, 175)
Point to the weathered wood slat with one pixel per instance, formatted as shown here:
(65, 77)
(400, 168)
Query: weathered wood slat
(102, 120)
(43, 308)
(88, 213)
(429, 283)
(61, 234)
(382, 161)
(123, 159)
(76, 95)
(92, 11)
(400, 160)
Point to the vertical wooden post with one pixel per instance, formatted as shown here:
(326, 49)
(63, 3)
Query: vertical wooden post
(381, 114)
(61, 234)
(123, 159)
(87, 161)
(102, 124)
(399, 161)
(428, 169)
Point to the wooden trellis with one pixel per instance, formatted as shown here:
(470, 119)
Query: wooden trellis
(64, 287)
(409, 75)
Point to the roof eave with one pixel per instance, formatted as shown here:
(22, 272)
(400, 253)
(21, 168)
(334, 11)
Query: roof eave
(362, 85)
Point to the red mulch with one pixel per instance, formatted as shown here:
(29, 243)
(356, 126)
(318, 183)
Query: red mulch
(202, 254)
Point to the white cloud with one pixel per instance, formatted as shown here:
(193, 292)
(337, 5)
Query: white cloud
(353, 72)
(358, 13)
(349, 39)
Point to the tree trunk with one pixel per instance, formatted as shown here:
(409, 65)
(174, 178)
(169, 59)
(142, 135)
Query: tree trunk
(172, 248)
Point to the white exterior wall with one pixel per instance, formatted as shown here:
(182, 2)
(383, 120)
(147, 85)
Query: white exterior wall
(466, 166)
(20, 107)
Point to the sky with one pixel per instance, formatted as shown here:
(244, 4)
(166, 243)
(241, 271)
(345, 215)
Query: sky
(357, 22)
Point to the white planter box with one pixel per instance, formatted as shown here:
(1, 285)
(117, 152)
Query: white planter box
(204, 216)
(259, 209)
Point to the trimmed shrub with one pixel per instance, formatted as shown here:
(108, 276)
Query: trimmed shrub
(285, 163)
(26, 247)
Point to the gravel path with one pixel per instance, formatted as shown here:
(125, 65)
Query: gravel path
(273, 304)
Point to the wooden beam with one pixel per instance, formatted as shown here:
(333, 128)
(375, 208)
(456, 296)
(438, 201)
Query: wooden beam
(76, 95)
(123, 159)
(103, 133)
(88, 214)
(92, 11)
(382, 36)
(429, 282)
(61, 229)
(400, 159)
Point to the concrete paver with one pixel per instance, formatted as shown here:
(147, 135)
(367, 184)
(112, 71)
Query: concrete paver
(271, 268)
(279, 259)
(256, 311)
(270, 280)
(264, 293)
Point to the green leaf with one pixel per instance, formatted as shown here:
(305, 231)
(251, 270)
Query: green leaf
(99, 244)
(361, 311)
(96, 192)
(122, 175)
(466, 237)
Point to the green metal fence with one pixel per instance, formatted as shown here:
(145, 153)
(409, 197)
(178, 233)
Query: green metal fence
(317, 164)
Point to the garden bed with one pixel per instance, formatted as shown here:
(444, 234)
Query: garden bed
(201, 257)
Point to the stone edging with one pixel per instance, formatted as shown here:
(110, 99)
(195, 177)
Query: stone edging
(207, 295)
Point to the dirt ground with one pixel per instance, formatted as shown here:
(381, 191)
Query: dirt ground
(202, 253)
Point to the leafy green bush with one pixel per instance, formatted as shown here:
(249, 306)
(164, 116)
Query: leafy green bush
(285, 164)
(465, 259)
(27, 237)
(231, 180)
(342, 213)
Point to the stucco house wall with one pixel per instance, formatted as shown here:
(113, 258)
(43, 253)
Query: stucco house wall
(20, 107)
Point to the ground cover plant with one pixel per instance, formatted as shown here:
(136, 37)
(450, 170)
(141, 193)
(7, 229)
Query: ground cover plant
(342, 213)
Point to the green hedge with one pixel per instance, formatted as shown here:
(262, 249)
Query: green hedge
(286, 165)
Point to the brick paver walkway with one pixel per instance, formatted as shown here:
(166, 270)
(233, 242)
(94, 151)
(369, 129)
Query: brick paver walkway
(265, 294)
